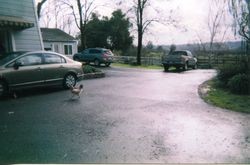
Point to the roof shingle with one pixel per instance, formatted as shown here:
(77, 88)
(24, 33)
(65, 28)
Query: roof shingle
(56, 35)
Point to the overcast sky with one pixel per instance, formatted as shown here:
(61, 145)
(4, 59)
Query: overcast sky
(192, 13)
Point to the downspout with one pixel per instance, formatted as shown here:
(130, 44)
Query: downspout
(37, 25)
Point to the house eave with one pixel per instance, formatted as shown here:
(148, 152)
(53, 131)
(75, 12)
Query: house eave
(13, 22)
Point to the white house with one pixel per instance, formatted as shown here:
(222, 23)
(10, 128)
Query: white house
(58, 41)
(19, 29)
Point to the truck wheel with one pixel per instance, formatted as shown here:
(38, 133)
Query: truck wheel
(166, 68)
(107, 64)
(96, 62)
(185, 67)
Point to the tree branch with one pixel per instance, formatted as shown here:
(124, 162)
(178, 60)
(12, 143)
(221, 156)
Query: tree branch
(39, 7)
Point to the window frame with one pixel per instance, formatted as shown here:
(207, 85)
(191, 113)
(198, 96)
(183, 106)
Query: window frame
(63, 60)
(68, 51)
(37, 54)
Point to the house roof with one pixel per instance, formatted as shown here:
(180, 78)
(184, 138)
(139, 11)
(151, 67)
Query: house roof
(56, 35)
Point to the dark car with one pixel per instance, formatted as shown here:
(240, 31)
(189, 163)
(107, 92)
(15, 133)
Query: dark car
(180, 59)
(96, 55)
(20, 70)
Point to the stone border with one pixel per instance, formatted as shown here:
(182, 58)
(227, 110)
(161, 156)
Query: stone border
(93, 75)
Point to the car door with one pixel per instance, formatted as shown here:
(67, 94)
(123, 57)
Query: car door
(94, 54)
(54, 68)
(27, 71)
(85, 55)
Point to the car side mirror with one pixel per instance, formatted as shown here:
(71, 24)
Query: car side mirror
(17, 65)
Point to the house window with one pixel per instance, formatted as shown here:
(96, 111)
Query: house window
(68, 49)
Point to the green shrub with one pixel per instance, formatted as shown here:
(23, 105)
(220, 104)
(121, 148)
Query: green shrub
(90, 69)
(239, 84)
(226, 72)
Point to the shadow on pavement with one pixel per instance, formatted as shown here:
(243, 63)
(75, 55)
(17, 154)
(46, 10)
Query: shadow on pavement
(174, 71)
(31, 92)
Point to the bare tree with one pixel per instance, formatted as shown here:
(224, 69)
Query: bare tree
(57, 11)
(216, 21)
(67, 12)
(46, 15)
(241, 13)
(81, 13)
(67, 23)
(143, 21)
(240, 10)
(50, 13)
(201, 43)
(56, 14)
(141, 25)
(39, 7)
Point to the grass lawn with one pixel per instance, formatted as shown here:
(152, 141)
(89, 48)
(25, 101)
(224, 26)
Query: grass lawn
(141, 66)
(224, 99)
(137, 66)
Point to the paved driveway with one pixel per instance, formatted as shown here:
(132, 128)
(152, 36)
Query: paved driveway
(131, 116)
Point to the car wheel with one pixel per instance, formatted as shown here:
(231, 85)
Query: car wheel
(107, 64)
(185, 66)
(97, 62)
(3, 88)
(166, 68)
(69, 81)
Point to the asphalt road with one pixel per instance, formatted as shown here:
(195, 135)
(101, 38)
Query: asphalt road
(130, 116)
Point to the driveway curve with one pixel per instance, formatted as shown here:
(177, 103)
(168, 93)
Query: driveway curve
(168, 121)
(130, 116)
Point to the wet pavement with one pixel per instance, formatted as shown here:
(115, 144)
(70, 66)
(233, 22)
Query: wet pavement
(130, 116)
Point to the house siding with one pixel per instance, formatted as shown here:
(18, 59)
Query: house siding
(26, 39)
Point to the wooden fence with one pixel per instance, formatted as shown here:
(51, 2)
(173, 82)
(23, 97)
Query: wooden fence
(132, 60)
(204, 60)
(214, 60)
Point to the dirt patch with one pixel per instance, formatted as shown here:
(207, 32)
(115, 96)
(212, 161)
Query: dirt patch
(203, 89)
(94, 75)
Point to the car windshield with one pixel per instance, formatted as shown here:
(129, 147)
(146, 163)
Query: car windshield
(9, 56)
(177, 53)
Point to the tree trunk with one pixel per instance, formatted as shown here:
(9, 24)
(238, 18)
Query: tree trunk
(82, 28)
(248, 42)
(82, 47)
(139, 48)
(140, 9)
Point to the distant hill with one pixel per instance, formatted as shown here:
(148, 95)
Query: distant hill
(226, 46)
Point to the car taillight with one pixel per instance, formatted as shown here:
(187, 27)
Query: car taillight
(104, 55)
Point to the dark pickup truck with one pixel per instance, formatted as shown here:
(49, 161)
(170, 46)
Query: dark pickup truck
(179, 59)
